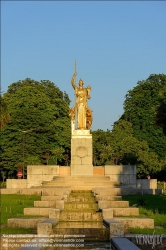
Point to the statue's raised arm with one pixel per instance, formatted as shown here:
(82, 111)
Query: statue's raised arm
(73, 80)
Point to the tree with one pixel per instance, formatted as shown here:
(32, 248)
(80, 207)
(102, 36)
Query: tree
(101, 147)
(40, 110)
(57, 154)
(4, 117)
(139, 109)
(161, 110)
(121, 147)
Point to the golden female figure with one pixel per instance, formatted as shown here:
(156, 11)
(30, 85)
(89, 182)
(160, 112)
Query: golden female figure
(81, 111)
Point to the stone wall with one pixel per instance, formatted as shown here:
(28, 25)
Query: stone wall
(64, 170)
(16, 183)
(145, 183)
(98, 171)
(38, 173)
(126, 174)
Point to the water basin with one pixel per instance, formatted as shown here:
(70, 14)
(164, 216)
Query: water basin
(80, 224)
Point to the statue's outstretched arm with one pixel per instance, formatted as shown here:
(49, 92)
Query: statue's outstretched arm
(88, 91)
(73, 80)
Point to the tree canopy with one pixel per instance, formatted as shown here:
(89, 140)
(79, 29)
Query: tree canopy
(139, 109)
(39, 110)
(119, 146)
(136, 137)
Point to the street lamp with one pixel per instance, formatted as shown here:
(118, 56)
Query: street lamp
(23, 145)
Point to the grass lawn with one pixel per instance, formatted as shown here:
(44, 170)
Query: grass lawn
(12, 206)
(150, 206)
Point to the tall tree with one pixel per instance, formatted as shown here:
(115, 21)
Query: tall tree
(139, 108)
(119, 146)
(39, 122)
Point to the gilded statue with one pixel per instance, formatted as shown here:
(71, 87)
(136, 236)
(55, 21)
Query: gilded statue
(81, 113)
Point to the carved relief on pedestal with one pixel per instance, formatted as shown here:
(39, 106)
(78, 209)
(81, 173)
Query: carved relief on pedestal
(81, 152)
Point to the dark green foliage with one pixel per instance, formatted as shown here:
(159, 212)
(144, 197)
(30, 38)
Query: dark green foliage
(121, 147)
(136, 138)
(139, 109)
(41, 110)
(142, 202)
(4, 117)
(161, 174)
(161, 110)
(101, 148)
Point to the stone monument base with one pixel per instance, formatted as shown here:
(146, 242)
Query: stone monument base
(81, 153)
(82, 170)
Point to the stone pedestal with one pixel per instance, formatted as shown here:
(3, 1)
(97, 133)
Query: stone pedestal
(81, 153)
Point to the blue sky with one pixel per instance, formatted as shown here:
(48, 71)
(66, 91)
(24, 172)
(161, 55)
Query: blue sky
(115, 44)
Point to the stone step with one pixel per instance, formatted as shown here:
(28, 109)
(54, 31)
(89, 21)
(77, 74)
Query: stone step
(115, 212)
(80, 216)
(128, 211)
(107, 198)
(81, 191)
(83, 187)
(82, 206)
(80, 199)
(54, 198)
(81, 177)
(116, 228)
(45, 227)
(80, 183)
(112, 204)
(54, 191)
(78, 180)
(37, 191)
(42, 211)
(24, 222)
(77, 187)
(87, 182)
(113, 191)
(44, 203)
(110, 191)
(136, 222)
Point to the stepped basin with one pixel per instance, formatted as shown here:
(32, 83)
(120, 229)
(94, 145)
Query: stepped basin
(80, 221)
(81, 193)
(83, 206)
(80, 199)
(81, 216)
(85, 231)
